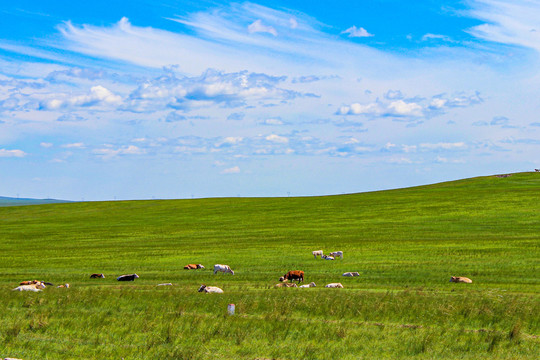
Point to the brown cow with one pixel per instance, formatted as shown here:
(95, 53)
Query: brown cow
(460, 279)
(97, 276)
(293, 275)
(30, 282)
(193, 266)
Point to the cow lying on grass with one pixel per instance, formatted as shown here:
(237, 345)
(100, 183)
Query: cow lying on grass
(65, 286)
(210, 289)
(285, 285)
(97, 276)
(460, 279)
(193, 266)
(32, 287)
(130, 277)
(334, 285)
(327, 257)
(293, 275)
(351, 274)
(311, 284)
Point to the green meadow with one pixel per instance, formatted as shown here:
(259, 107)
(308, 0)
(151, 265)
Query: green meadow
(405, 244)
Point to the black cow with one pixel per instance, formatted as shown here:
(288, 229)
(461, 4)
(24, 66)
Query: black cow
(130, 277)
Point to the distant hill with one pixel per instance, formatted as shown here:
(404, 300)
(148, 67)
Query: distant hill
(8, 201)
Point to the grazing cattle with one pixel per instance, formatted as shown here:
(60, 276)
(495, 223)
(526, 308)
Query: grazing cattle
(317, 253)
(66, 286)
(293, 275)
(97, 276)
(166, 284)
(460, 279)
(351, 274)
(210, 289)
(334, 285)
(285, 285)
(337, 254)
(223, 269)
(130, 277)
(193, 266)
(327, 257)
(311, 284)
(33, 287)
(32, 282)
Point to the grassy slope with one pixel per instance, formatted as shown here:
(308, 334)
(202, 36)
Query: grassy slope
(405, 244)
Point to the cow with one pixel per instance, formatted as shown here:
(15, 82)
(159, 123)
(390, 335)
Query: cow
(97, 276)
(223, 269)
(327, 257)
(210, 289)
(311, 284)
(32, 287)
(334, 285)
(293, 275)
(130, 277)
(285, 285)
(317, 253)
(337, 253)
(65, 286)
(193, 266)
(460, 279)
(165, 284)
(537, 170)
(30, 282)
(351, 274)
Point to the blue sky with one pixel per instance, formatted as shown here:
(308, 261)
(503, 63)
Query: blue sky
(177, 99)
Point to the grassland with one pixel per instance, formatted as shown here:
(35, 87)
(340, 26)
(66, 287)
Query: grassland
(405, 243)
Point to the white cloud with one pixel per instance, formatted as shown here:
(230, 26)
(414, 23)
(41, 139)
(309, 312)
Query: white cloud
(98, 95)
(444, 146)
(353, 31)
(400, 107)
(508, 22)
(12, 153)
(428, 37)
(233, 170)
(257, 27)
(78, 145)
(110, 152)
(410, 108)
(273, 121)
(293, 23)
(277, 139)
(46, 145)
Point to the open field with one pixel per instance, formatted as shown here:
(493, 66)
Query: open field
(404, 243)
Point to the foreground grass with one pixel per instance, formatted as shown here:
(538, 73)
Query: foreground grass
(405, 244)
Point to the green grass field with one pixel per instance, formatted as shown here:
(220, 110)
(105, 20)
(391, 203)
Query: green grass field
(404, 243)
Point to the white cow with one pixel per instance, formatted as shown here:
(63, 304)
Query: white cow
(165, 284)
(334, 285)
(223, 268)
(33, 287)
(311, 284)
(318, 253)
(210, 289)
(351, 274)
(327, 257)
(337, 253)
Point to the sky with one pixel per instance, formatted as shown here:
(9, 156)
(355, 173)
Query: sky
(117, 100)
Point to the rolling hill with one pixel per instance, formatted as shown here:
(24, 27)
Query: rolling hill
(405, 243)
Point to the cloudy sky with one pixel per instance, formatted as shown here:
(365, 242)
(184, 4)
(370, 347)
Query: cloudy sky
(144, 99)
